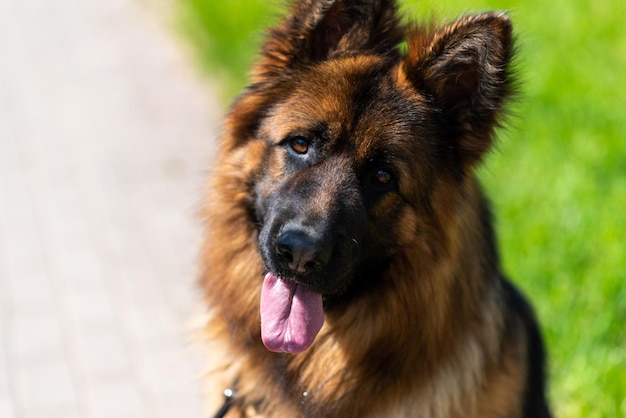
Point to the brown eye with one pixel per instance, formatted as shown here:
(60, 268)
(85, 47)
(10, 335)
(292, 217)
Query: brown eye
(382, 177)
(299, 144)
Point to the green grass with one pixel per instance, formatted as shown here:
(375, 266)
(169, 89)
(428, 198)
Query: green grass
(557, 179)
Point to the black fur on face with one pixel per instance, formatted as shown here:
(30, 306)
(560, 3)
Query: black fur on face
(314, 226)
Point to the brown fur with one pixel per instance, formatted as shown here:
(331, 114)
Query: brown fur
(424, 324)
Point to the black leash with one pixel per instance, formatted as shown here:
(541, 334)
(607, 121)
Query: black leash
(229, 396)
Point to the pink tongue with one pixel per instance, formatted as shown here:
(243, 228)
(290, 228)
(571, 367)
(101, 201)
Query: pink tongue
(291, 315)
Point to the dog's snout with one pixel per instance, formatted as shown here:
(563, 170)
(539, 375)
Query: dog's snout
(301, 252)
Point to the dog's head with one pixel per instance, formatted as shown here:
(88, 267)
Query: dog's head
(361, 132)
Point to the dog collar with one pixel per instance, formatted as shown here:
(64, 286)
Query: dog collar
(229, 397)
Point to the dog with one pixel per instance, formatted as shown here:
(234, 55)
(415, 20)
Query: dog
(349, 262)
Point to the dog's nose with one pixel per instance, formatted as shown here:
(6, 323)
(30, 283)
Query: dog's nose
(300, 252)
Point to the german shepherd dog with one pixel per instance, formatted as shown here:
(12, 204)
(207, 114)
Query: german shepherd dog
(349, 261)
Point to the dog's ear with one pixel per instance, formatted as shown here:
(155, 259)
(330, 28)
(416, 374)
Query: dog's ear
(464, 68)
(316, 30)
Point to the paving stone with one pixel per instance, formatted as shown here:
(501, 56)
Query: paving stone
(66, 412)
(29, 293)
(101, 353)
(33, 337)
(182, 406)
(46, 386)
(7, 408)
(89, 305)
(105, 134)
(166, 374)
(5, 391)
(116, 399)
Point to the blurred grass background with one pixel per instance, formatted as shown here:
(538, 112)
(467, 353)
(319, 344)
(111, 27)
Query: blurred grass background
(557, 179)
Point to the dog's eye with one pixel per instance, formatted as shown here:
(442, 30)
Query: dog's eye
(299, 144)
(382, 177)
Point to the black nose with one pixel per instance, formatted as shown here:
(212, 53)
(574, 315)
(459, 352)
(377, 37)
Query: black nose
(300, 252)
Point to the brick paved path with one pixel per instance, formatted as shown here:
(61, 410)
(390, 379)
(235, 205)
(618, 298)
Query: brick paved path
(103, 137)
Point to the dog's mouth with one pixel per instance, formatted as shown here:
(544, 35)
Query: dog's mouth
(292, 314)
(307, 263)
